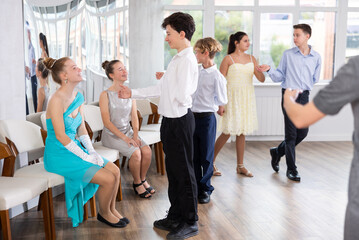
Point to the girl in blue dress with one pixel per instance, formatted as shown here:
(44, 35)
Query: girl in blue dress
(84, 170)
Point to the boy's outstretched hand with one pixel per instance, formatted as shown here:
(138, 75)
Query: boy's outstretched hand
(263, 68)
(124, 92)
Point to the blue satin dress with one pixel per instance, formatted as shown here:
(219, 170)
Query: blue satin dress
(77, 172)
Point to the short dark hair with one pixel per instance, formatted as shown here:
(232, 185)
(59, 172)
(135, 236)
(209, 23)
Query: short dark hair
(305, 28)
(180, 21)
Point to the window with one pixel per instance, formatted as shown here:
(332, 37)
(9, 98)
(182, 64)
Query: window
(352, 39)
(230, 22)
(274, 43)
(323, 27)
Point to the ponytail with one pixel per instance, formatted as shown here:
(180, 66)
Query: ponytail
(232, 39)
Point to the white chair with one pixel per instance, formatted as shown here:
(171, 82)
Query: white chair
(151, 131)
(15, 191)
(94, 125)
(35, 118)
(146, 108)
(43, 120)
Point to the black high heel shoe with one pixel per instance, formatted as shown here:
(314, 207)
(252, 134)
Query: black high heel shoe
(141, 195)
(149, 189)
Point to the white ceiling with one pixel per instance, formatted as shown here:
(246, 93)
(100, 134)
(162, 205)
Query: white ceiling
(47, 3)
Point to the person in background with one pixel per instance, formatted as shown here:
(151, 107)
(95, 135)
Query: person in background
(32, 67)
(43, 46)
(43, 92)
(240, 113)
(299, 68)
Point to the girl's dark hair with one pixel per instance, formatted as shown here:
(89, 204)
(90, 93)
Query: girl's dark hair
(235, 37)
(41, 68)
(56, 66)
(108, 67)
(44, 42)
(180, 21)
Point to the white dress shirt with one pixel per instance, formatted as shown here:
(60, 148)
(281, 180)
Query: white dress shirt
(211, 91)
(175, 87)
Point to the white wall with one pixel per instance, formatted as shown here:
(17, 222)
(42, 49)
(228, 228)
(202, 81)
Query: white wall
(12, 80)
(146, 42)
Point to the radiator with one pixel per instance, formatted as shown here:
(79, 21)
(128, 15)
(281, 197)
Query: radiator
(269, 113)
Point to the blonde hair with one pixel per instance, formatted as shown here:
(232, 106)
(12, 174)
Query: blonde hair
(211, 45)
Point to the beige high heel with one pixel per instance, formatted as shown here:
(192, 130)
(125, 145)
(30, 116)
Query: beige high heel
(216, 171)
(240, 170)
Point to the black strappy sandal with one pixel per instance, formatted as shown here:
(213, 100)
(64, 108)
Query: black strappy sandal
(149, 189)
(141, 195)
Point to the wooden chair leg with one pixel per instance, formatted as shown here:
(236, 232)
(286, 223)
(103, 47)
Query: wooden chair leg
(93, 206)
(123, 161)
(39, 205)
(51, 212)
(86, 212)
(5, 224)
(157, 157)
(119, 192)
(162, 157)
(46, 216)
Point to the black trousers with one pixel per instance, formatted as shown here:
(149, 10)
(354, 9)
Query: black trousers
(34, 91)
(27, 106)
(177, 139)
(293, 136)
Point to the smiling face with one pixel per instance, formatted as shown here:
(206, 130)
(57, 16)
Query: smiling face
(244, 44)
(173, 37)
(72, 72)
(119, 72)
(300, 37)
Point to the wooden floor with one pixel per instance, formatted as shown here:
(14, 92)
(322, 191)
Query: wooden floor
(268, 206)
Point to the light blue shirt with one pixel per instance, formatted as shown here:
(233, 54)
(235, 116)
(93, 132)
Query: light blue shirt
(297, 71)
(32, 65)
(211, 90)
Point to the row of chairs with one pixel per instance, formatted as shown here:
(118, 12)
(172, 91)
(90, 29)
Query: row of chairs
(27, 136)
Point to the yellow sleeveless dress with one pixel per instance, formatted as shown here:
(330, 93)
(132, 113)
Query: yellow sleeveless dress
(240, 116)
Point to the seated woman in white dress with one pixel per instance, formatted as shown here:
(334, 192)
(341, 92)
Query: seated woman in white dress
(118, 134)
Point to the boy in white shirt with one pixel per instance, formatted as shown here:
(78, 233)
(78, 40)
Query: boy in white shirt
(175, 90)
(211, 93)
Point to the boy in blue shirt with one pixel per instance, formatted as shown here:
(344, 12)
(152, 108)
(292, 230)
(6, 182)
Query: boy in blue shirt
(299, 68)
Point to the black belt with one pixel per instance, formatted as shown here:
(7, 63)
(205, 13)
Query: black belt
(202, 114)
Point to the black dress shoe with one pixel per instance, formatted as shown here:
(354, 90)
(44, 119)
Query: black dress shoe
(293, 175)
(120, 223)
(166, 224)
(183, 231)
(275, 159)
(204, 197)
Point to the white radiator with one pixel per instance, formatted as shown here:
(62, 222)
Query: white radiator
(270, 116)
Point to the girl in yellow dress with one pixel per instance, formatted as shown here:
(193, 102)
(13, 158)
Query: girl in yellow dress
(240, 114)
